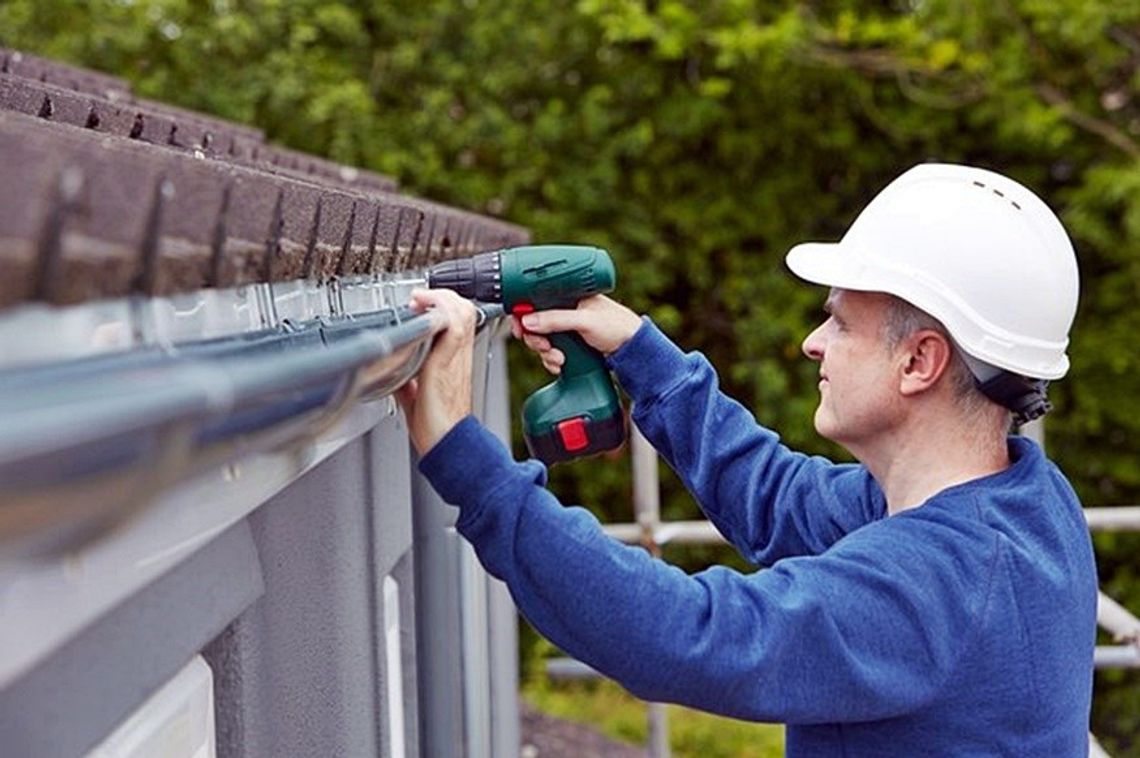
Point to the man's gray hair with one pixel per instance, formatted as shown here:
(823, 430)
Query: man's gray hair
(903, 319)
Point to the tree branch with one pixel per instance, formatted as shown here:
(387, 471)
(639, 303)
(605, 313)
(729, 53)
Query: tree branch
(1103, 129)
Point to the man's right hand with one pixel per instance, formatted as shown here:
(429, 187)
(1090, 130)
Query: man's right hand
(604, 324)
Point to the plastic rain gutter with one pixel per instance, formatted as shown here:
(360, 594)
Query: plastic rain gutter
(86, 443)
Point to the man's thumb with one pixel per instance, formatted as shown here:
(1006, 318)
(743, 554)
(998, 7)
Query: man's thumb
(406, 396)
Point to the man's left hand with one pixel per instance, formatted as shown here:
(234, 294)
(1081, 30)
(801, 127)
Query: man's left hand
(440, 395)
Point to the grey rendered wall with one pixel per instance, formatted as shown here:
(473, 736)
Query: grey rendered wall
(69, 702)
(288, 607)
(503, 650)
(303, 671)
(466, 633)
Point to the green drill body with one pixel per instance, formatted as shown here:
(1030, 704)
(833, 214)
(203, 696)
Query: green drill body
(578, 414)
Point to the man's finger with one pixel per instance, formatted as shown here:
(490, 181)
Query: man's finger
(441, 298)
(546, 322)
(457, 314)
(536, 342)
(461, 318)
(420, 300)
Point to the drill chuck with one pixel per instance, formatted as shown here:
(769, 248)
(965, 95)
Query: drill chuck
(479, 277)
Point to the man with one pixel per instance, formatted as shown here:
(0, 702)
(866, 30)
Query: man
(937, 598)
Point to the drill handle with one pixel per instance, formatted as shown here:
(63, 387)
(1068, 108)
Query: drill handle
(580, 357)
(579, 413)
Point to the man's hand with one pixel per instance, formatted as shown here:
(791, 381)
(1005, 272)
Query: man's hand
(604, 324)
(440, 395)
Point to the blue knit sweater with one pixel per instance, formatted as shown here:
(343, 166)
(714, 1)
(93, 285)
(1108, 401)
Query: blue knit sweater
(962, 627)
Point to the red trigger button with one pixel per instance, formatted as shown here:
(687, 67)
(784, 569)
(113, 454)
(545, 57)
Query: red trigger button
(573, 434)
(521, 309)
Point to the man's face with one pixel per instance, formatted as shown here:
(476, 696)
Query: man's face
(858, 385)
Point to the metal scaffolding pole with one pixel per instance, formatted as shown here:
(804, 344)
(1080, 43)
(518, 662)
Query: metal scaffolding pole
(1116, 657)
(647, 512)
(1120, 518)
(1115, 518)
(1117, 619)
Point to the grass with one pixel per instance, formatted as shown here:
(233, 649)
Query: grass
(617, 714)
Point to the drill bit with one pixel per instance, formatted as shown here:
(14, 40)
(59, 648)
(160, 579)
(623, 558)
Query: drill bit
(487, 312)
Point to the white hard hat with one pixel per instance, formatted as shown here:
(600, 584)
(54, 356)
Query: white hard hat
(974, 249)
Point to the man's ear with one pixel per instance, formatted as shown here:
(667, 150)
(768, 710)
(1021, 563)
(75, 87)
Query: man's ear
(926, 357)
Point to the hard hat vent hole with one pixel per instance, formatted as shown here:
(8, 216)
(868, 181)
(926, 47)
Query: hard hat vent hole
(997, 192)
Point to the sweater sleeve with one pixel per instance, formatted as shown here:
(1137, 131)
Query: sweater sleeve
(767, 500)
(863, 632)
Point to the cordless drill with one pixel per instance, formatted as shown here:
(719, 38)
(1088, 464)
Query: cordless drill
(579, 413)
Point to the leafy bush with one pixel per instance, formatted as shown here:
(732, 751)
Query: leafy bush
(698, 141)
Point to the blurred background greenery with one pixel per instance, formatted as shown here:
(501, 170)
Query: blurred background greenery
(698, 141)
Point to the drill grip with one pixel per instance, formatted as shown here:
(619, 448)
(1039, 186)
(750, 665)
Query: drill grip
(580, 357)
(578, 414)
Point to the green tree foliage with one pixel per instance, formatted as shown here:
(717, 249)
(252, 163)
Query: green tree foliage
(698, 141)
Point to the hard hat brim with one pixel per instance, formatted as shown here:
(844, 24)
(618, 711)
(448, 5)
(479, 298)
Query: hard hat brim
(827, 263)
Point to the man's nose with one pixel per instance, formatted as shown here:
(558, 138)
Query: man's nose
(813, 344)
